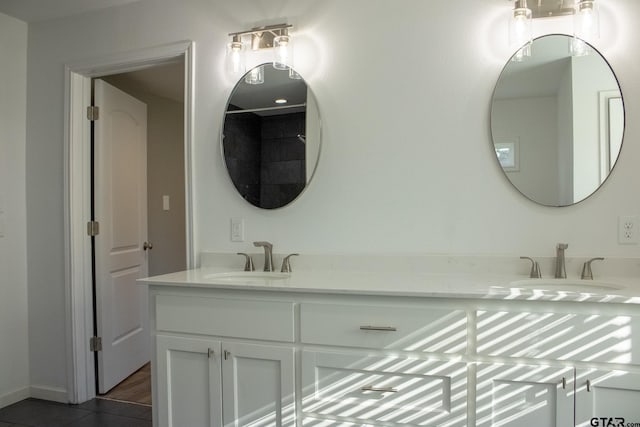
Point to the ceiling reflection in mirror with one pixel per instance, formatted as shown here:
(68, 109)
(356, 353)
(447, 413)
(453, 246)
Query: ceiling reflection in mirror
(271, 136)
(557, 122)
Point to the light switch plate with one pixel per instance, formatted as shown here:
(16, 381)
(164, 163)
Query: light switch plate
(165, 203)
(237, 229)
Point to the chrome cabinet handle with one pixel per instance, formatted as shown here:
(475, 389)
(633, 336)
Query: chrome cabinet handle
(564, 383)
(210, 353)
(379, 389)
(378, 328)
(147, 245)
(226, 354)
(588, 386)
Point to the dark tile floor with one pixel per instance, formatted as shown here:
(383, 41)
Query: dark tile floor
(94, 413)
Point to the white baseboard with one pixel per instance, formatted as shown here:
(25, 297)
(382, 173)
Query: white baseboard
(14, 396)
(53, 394)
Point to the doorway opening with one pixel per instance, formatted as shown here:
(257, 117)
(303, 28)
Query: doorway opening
(138, 198)
(122, 70)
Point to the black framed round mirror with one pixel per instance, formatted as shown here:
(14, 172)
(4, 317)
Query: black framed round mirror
(271, 136)
(557, 122)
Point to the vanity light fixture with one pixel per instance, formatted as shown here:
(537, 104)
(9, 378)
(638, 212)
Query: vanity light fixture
(586, 26)
(255, 76)
(586, 23)
(293, 74)
(274, 37)
(520, 33)
(235, 57)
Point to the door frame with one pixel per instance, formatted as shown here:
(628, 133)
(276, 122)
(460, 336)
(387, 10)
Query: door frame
(77, 196)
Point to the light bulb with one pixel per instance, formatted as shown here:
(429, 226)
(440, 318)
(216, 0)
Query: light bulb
(235, 57)
(255, 76)
(520, 34)
(586, 21)
(283, 53)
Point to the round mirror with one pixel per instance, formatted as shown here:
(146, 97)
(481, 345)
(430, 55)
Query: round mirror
(557, 122)
(271, 136)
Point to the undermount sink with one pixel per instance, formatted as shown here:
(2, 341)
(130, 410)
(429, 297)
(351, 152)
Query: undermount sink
(568, 285)
(248, 276)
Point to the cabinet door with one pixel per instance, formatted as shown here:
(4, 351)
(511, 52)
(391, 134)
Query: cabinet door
(517, 395)
(610, 395)
(188, 382)
(258, 385)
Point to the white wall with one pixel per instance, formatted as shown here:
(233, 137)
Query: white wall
(14, 354)
(407, 164)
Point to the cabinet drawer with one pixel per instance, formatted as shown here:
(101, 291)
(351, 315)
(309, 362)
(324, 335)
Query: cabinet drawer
(406, 391)
(240, 318)
(559, 336)
(384, 327)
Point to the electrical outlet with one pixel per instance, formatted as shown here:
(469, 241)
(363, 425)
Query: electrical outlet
(237, 229)
(628, 232)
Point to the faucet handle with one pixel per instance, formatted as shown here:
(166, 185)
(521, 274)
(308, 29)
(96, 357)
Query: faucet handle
(286, 264)
(248, 262)
(535, 268)
(587, 273)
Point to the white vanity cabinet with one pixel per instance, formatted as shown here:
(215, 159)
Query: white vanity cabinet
(187, 382)
(541, 390)
(610, 394)
(222, 361)
(257, 385)
(378, 390)
(262, 357)
(523, 395)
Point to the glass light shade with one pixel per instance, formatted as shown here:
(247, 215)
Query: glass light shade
(283, 52)
(255, 76)
(586, 21)
(293, 74)
(520, 32)
(235, 58)
(578, 47)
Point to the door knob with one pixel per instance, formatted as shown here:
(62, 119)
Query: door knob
(147, 245)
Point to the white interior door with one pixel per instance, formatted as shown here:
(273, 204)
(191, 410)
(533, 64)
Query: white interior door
(120, 197)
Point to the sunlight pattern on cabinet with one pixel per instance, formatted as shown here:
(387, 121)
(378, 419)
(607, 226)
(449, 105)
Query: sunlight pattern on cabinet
(555, 336)
(524, 395)
(352, 388)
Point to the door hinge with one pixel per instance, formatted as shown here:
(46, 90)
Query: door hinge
(93, 228)
(93, 113)
(95, 344)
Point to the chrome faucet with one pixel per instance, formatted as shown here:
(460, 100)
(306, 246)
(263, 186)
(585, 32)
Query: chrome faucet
(561, 271)
(268, 254)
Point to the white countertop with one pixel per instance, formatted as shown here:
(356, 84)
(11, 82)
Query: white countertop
(413, 284)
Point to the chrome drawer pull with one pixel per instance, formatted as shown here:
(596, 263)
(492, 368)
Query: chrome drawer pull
(379, 389)
(588, 386)
(378, 328)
